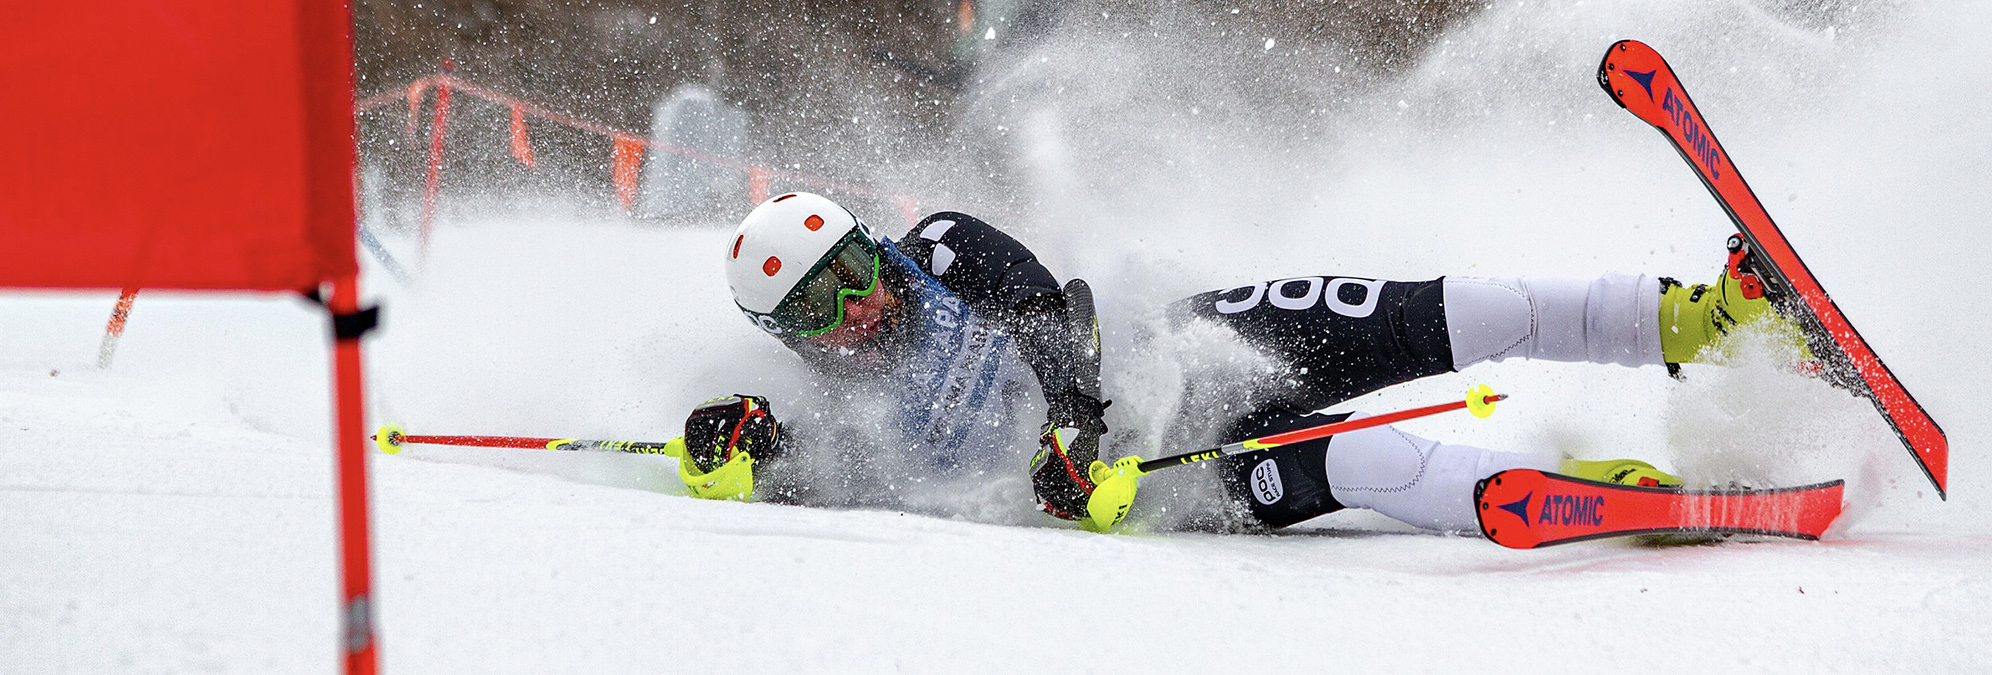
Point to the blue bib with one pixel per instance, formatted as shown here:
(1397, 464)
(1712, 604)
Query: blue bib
(961, 387)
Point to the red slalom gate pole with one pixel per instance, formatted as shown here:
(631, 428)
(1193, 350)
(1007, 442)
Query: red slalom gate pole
(356, 559)
(115, 331)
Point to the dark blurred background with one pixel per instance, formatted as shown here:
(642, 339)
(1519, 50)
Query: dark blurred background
(910, 96)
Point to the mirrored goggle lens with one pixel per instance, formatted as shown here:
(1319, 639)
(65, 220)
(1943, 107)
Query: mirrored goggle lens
(817, 305)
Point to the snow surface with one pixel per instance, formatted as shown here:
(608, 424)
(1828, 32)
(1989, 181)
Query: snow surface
(174, 514)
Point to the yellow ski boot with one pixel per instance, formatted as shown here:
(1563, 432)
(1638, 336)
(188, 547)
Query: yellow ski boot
(1694, 318)
(1620, 471)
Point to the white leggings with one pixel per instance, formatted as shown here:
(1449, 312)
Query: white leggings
(1611, 319)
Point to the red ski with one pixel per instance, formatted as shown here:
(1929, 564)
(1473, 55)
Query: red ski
(1525, 508)
(1635, 76)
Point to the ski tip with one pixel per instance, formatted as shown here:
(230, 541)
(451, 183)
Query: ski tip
(1629, 66)
(388, 439)
(1605, 67)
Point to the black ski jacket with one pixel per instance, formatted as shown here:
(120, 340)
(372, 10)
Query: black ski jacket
(1001, 280)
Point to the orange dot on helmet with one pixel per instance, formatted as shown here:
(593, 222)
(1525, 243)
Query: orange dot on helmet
(814, 223)
(772, 266)
(736, 245)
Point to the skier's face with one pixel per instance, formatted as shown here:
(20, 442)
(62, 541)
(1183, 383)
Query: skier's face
(863, 318)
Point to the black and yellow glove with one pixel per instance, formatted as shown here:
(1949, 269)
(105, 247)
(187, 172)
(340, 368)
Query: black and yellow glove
(1067, 446)
(724, 438)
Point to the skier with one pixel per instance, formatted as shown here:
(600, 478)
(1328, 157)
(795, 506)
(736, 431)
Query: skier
(933, 323)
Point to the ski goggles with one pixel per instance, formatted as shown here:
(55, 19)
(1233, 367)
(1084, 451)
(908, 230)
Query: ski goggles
(816, 306)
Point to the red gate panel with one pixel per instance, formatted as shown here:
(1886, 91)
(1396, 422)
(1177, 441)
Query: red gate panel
(175, 144)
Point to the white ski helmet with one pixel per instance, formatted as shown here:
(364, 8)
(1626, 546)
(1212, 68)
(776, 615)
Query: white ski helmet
(778, 247)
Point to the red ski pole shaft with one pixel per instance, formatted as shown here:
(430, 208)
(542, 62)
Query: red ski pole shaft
(1345, 426)
(481, 441)
(1480, 399)
(390, 439)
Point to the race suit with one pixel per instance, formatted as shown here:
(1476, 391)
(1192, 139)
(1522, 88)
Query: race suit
(977, 301)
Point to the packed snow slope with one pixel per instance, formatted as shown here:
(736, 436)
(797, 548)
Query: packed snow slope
(173, 513)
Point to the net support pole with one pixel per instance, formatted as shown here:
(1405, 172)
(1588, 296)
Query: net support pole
(356, 559)
(439, 127)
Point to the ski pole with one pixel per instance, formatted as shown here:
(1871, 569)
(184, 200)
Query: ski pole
(1480, 400)
(390, 438)
(1114, 485)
